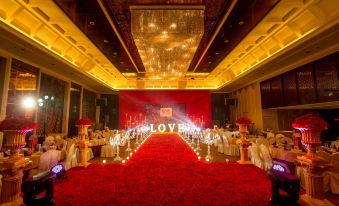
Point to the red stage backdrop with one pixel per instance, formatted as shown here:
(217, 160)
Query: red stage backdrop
(132, 105)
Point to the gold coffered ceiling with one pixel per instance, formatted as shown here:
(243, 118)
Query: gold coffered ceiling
(286, 26)
(167, 38)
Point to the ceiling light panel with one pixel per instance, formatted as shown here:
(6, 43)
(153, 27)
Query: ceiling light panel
(167, 38)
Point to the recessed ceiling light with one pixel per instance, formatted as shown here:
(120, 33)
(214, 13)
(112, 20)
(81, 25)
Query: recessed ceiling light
(92, 23)
(226, 41)
(106, 41)
(217, 53)
(151, 25)
(115, 53)
(241, 22)
(122, 62)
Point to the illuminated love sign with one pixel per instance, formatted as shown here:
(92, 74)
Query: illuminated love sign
(171, 127)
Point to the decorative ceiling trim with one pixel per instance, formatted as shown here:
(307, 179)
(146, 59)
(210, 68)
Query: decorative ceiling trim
(44, 23)
(287, 25)
(109, 19)
(216, 31)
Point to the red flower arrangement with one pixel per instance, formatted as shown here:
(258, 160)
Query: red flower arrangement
(310, 122)
(84, 121)
(243, 120)
(19, 124)
(146, 177)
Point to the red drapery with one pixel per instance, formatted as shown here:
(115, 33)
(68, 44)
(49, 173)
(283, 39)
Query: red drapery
(132, 104)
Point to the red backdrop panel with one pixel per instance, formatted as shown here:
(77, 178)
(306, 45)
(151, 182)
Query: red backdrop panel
(197, 102)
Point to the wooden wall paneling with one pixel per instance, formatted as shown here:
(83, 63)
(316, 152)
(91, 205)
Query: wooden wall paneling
(89, 106)
(326, 74)
(306, 87)
(290, 88)
(265, 88)
(276, 96)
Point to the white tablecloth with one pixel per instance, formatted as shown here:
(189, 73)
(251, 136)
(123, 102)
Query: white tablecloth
(287, 155)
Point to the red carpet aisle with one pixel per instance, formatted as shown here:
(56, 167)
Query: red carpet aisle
(164, 171)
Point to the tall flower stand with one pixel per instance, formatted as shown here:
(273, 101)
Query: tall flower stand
(313, 169)
(82, 145)
(11, 168)
(244, 143)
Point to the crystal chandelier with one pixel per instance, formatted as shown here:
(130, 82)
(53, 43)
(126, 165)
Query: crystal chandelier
(167, 38)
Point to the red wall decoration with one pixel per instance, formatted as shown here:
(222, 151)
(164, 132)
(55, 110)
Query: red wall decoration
(132, 104)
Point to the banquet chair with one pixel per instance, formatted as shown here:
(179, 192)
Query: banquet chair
(49, 141)
(71, 159)
(265, 156)
(255, 156)
(226, 145)
(328, 157)
(270, 135)
(261, 140)
(48, 159)
(334, 174)
(233, 147)
(220, 144)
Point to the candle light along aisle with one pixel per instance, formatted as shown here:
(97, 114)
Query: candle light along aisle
(144, 140)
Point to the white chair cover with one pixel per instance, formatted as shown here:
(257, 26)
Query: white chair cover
(49, 141)
(71, 159)
(265, 156)
(233, 147)
(226, 145)
(263, 141)
(49, 159)
(255, 157)
(220, 144)
(270, 135)
(334, 174)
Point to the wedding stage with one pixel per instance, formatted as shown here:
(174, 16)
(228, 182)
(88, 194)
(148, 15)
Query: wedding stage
(164, 171)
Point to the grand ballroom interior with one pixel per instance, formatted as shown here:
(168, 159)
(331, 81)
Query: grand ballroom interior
(169, 102)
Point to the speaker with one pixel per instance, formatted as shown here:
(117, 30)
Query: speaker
(101, 102)
(230, 101)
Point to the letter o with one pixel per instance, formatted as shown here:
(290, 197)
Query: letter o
(161, 127)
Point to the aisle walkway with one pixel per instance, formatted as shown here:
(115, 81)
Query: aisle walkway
(164, 171)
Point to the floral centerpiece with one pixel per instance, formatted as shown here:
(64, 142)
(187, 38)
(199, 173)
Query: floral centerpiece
(14, 129)
(84, 121)
(21, 125)
(83, 125)
(243, 123)
(243, 120)
(310, 126)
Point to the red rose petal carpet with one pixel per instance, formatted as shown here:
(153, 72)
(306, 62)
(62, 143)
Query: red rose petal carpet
(164, 171)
